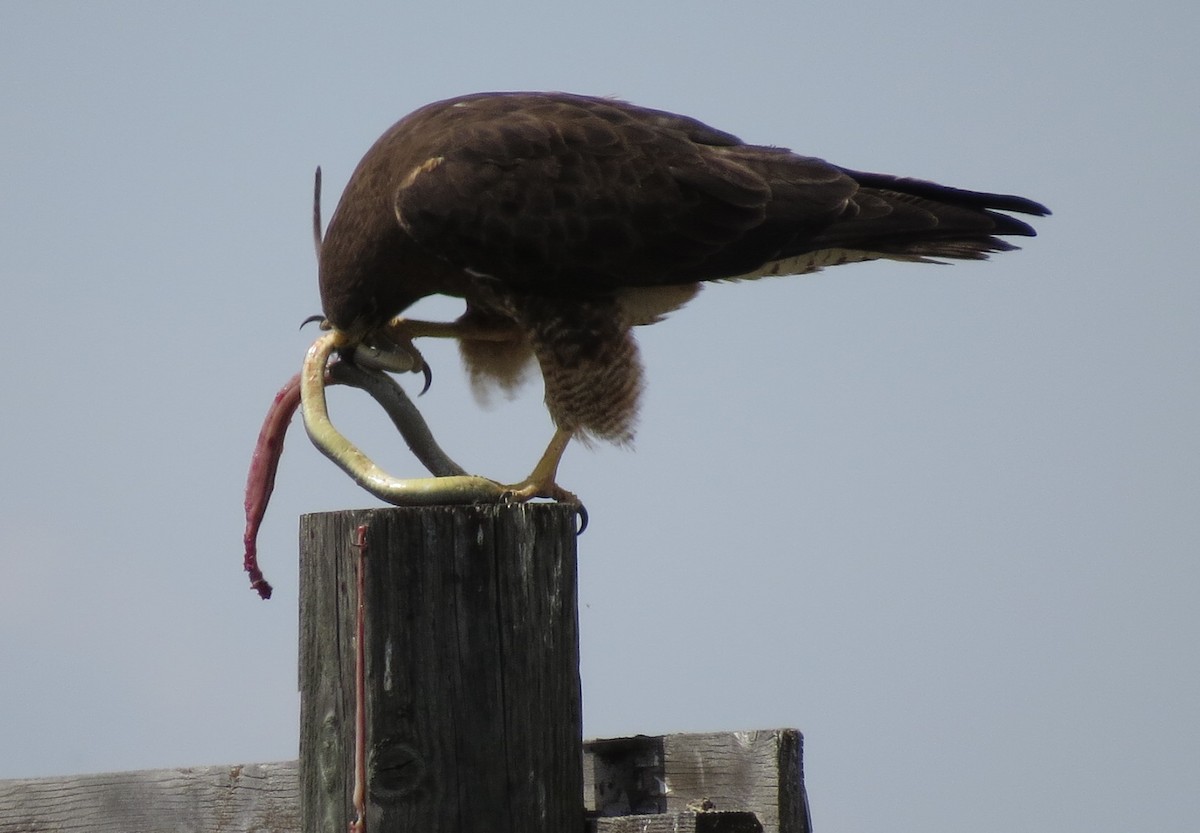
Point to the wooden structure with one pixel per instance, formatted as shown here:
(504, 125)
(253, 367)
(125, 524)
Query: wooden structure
(721, 782)
(473, 717)
(458, 711)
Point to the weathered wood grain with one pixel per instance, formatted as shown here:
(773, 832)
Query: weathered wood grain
(761, 772)
(472, 669)
(732, 774)
(711, 822)
(263, 798)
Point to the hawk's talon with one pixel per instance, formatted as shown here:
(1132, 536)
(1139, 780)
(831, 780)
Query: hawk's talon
(393, 357)
(523, 493)
(427, 372)
(528, 490)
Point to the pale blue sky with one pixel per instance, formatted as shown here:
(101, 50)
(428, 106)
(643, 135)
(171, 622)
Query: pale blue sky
(944, 520)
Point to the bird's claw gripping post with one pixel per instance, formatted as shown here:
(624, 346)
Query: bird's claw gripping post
(519, 493)
(541, 482)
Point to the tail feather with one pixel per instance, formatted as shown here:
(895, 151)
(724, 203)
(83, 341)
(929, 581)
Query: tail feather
(944, 193)
(903, 216)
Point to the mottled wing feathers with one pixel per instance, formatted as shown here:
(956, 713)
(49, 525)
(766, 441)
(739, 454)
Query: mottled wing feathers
(584, 194)
(568, 194)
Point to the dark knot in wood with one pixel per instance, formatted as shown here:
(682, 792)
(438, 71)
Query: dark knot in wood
(396, 770)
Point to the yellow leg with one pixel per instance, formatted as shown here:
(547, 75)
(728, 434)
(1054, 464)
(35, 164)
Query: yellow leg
(541, 481)
(407, 329)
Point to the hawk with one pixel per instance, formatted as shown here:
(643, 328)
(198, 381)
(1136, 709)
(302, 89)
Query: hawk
(564, 221)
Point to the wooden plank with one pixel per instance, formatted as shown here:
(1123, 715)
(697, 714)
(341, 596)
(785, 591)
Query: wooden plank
(710, 822)
(472, 669)
(263, 798)
(760, 772)
(717, 778)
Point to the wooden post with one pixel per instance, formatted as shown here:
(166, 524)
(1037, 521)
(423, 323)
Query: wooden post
(473, 715)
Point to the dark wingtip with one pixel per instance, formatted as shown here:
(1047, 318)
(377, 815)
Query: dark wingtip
(1011, 202)
(989, 202)
(1006, 224)
(945, 193)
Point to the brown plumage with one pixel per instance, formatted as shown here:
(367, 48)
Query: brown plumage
(571, 219)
